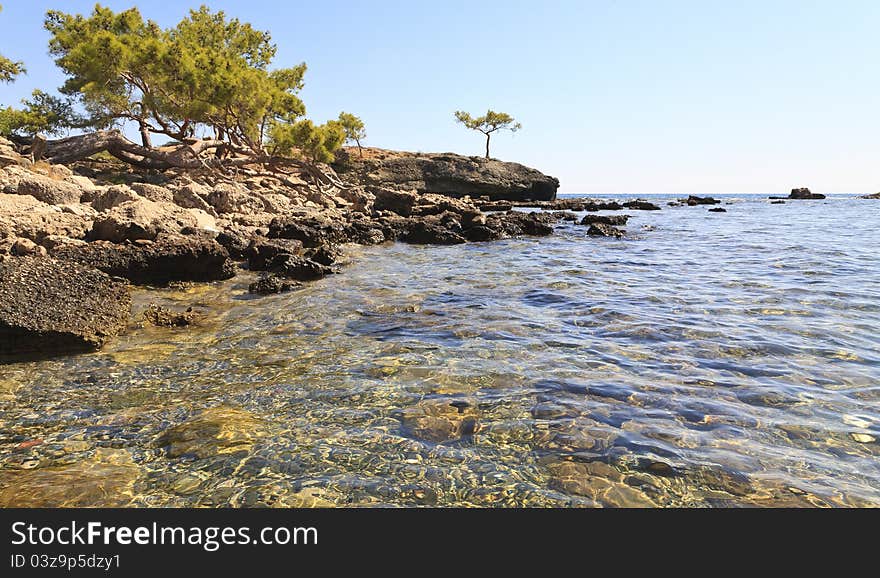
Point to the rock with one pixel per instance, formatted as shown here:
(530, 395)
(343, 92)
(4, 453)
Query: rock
(874, 196)
(193, 196)
(440, 420)
(615, 220)
(640, 205)
(46, 189)
(516, 223)
(431, 232)
(26, 248)
(596, 481)
(805, 194)
(261, 251)
(172, 258)
(778, 202)
(863, 438)
(113, 197)
(272, 284)
(693, 201)
(162, 317)
(567, 216)
(400, 202)
(26, 217)
(219, 430)
(105, 478)
(311, 229)
(144, 219)
(446, 173)
(718, 210)
(359, 200)
(49, 307)
(603, 230)
(297, 268)
(228, 198)
(234, 239)
(153, 192)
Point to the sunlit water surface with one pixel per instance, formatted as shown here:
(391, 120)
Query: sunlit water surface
(705, 360)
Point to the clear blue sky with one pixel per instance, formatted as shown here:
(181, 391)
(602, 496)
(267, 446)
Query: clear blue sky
(614, 95)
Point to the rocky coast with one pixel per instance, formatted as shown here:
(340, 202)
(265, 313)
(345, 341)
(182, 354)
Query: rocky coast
(74, 238)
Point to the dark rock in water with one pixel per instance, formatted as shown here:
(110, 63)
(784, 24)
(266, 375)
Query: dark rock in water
(565, 216)
(50, 307)
(805, 194)
(694, 200)
(298, 268)
(400, 202)
(615, 220)
(272, 284)
(777, 202)
(640, 205)
(718, 210)
(162, 317)
(325, 255)
(261, 251)
(431, 233)
(445, 173)
(153, 263)
(235, 242)
(603, 230)
(516, 223)
(874, 196)
(312, 231)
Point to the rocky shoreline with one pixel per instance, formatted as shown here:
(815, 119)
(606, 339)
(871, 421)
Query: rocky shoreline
(72, 239)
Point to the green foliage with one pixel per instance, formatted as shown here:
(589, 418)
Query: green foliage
(316, 143)
(354, 128)
(42, 114)
(207, 72)
(490, 122)
(8, 68)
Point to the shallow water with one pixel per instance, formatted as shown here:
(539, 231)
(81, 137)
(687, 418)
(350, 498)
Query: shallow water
(705, 360)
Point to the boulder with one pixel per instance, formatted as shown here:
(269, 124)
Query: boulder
(718, 210)
(172, 258)
(693, 201)
(144, 219)
(44, 188)
(431, 232)
(193, 196)
(400, 202)
(445, 173)
(113, 197)
(640, 205)
(297, 267)
(805, 194)
(153, 192)
(228, 198)
(261, 251)
(874, 196)
(312, 229)
(613, 220)
(25, 217)
(50, 307)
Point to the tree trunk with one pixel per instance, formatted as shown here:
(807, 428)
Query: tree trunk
(488, 136)
(145, 137)
(360, 150)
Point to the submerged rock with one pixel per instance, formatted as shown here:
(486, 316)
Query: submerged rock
(162, 317)
(50, 307)
(440, 420)
(445, 173)
(153, 263)
(218, 430)
(718, 210)
(272, 284)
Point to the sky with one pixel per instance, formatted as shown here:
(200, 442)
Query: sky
(676, 96)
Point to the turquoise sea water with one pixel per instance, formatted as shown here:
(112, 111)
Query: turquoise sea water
(704, 360)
